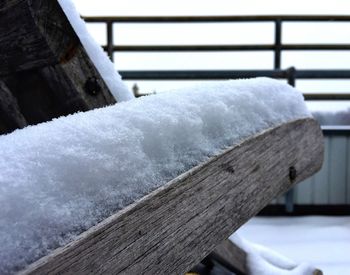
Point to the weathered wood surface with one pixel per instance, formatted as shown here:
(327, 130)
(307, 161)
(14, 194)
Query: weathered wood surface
(43, 63)
(176, 226)
(10, 117)
(229, 252)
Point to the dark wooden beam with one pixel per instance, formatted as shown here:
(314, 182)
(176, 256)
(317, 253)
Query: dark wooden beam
(173, 228)
(44, 64)
(11, 117)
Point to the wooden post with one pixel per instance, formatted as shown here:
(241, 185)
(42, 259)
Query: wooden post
(43, 63)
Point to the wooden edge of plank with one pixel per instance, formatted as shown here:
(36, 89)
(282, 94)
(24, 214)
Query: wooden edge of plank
(230, 253)
(233, 257)
(171, 229)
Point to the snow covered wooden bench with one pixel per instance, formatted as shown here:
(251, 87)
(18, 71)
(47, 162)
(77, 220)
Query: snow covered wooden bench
(177, 225)
(174, 227)
(151, 186)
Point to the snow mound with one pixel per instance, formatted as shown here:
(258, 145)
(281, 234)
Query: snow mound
(100, 59)
(61, 177)
(322, 241)
(264, 261)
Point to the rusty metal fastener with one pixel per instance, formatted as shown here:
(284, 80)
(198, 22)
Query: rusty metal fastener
(92, 86)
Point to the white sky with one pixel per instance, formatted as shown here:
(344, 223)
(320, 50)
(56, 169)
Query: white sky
(217, 7)
(246, 33)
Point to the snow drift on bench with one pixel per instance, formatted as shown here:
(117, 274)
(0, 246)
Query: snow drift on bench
(62, 177)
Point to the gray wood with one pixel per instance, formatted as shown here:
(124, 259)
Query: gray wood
(22, 45)
(173, 228)
(337, 188)
(43, 63)
(233, 254)
(10, 116)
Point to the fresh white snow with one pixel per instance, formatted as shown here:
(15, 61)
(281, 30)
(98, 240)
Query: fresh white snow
(323, 242)
(61, 177)
(100, 59)
(264, 261)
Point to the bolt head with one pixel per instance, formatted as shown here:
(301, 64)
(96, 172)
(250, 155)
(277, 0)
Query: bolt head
(92, 86)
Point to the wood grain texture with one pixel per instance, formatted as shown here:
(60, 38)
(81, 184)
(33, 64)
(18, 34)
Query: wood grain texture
(11, 117)
(230, 253)
(173, 228)
(22, 46)
(43, 63)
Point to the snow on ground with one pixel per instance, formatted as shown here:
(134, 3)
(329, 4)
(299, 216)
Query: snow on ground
(100, 59)
(61, 177)
(324, 242)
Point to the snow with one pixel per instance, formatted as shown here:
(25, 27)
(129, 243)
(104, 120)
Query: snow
(264, 261)
(321, 241)
(100, 59)
(61, 177)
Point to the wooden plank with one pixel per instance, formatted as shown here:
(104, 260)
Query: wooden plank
(229, 252)
(11, 117)
(173, 228)
(22, 46)
(44, 64)
(53, 91)
(35, 34)
(337, 191)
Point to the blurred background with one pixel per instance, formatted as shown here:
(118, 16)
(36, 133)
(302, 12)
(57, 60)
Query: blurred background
(307, 33)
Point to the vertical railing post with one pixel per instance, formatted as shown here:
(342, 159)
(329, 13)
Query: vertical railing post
(278, 42)
(110, 42)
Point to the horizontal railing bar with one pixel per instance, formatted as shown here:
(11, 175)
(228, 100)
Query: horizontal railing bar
(200, 75)
(214, 19)
(177, 48)
(313, 47)
(326, 96)
(342, 130)
(322, 74)
(232, 74)
(170, 48)
(322, 97)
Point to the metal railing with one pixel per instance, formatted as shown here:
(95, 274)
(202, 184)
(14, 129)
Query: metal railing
(292, 74)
